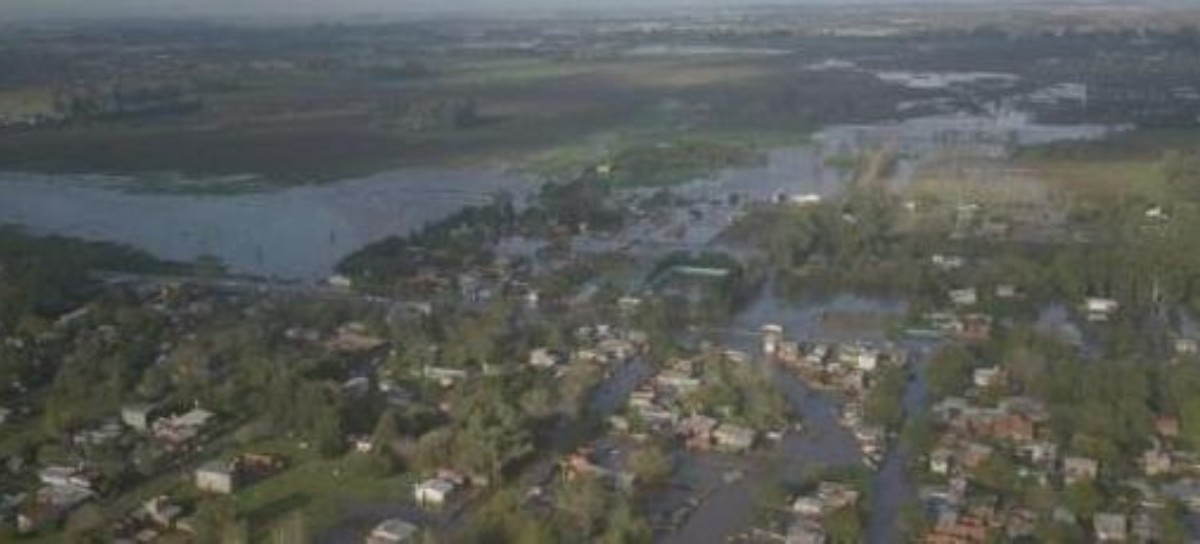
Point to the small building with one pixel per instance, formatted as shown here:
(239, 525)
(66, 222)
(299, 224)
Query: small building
(50, 505)
(433, 492)
(217, 477)
(182, 428)
(1186, 347)
(964, 297)
(1079, 469)
(772, 335)
(808, 506)
(1110, 527)
(1100, 309)
(1156, 462)
(1039, 453)
(733, 438)
(392, 531)
(987, 377)
(543, 358)
(139, 416)
(340, 281)
(837, 495)
(940, 461)
(162, 511)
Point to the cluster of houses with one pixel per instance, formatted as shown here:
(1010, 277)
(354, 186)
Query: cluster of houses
(64, 488)
(601, 344)
(155, 518)
(657, 407)
(848, 368)
(963, 512)
(809, 511)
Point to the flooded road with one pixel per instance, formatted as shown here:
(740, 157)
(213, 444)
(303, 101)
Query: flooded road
(892, 488)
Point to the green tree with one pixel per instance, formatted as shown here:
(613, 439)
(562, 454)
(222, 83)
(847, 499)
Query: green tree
(948, 372)
(652, 465)
(844, 526)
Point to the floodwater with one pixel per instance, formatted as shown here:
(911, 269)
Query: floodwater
(728, 508)
(300, 233)
(295, 233)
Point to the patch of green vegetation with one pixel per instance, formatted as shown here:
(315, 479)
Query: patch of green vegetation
(317, 488)
(516, 71)
(671, 163)
(564, 162)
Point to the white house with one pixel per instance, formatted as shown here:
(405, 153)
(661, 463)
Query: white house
(771, 336)
(542, 358)
(433, 492)
(806, 199)
(1079, 469)
(1100, 309)
(940, 461)
(987, 377)
(217, 477)
(139, 416)
(808, 506)
(964, 297)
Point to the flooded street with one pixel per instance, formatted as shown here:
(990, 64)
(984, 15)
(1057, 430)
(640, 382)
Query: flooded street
(892, 487)
(728, 508)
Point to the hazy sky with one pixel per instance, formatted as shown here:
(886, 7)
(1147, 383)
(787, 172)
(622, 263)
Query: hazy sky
(23, 9)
